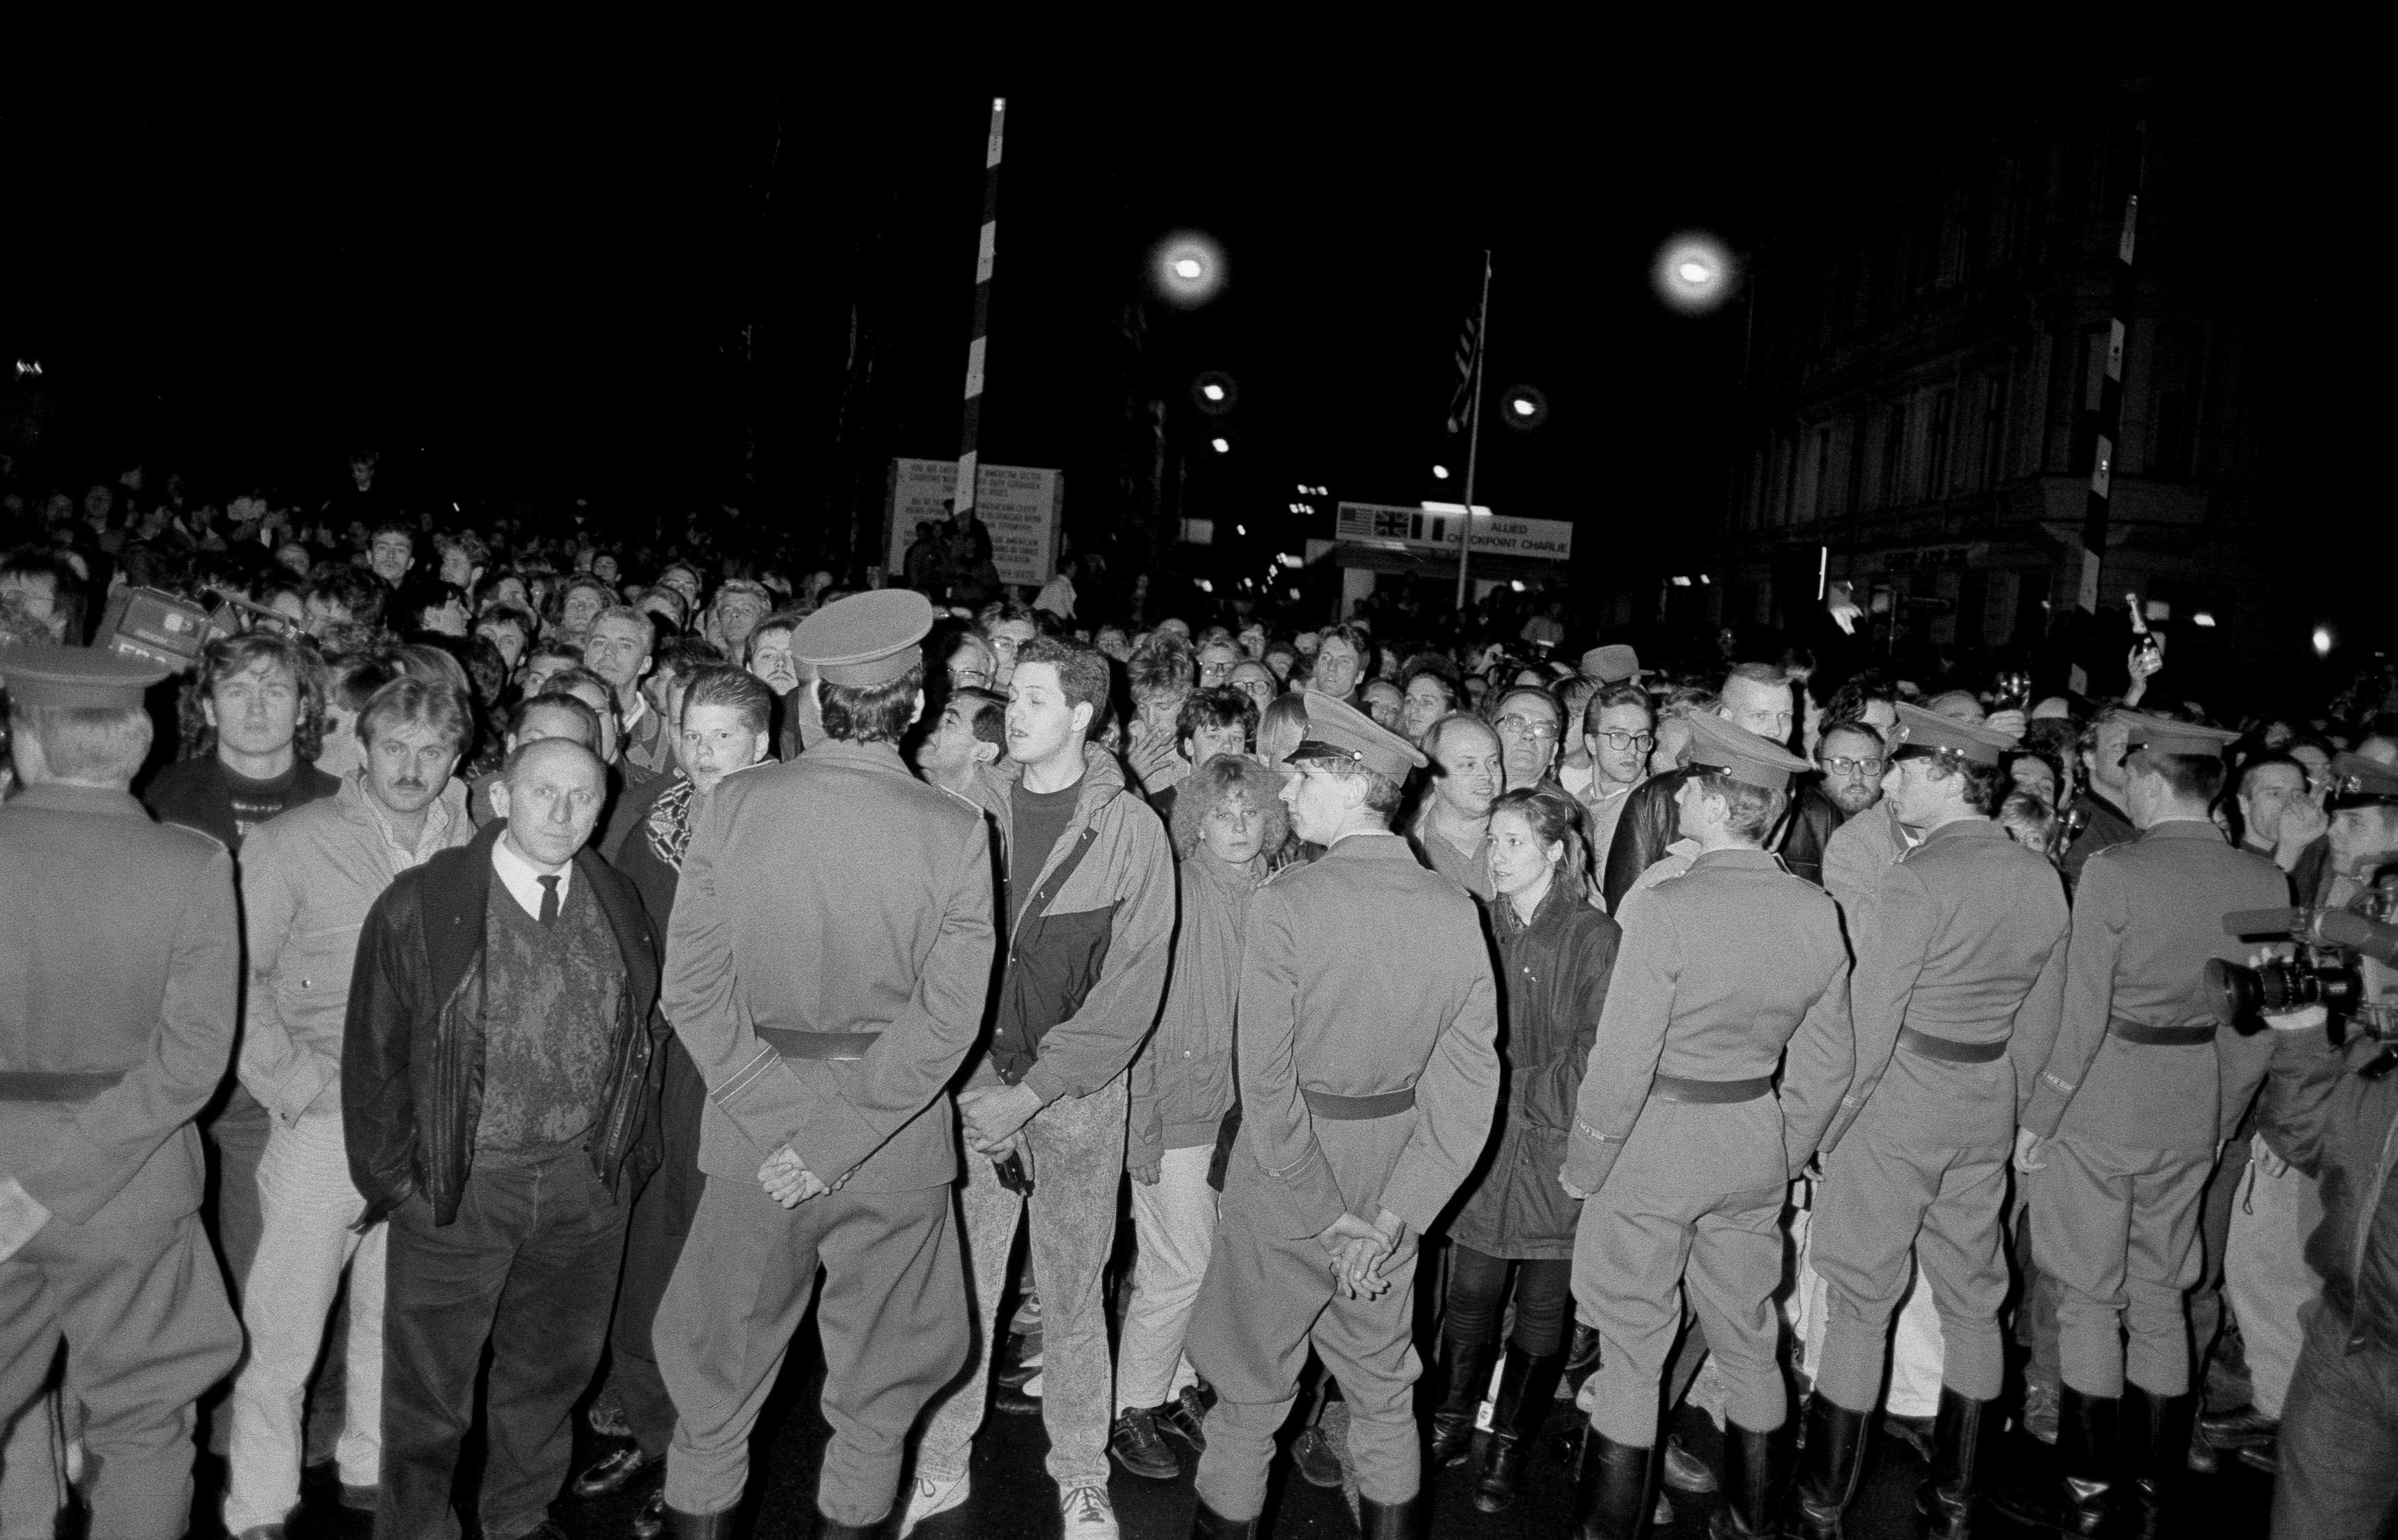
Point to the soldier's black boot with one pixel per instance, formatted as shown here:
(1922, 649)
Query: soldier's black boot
(1757, 1476)
(2083, 1501)
(828, 1529)
(1468, 1374)
(1208, 1524)
(1528, 1387)
(700, 1526)
(1391, 1521)
(1827, 1478)
(2156, 1445)
(1960, 1444)
(1615, 1485)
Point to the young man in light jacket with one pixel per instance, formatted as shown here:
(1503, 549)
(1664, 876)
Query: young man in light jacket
(308, 879)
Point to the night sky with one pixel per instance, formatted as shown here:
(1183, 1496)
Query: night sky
(647, 296)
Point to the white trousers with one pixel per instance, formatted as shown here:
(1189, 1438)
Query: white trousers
(2265, 1274)
(1174, 1223)
(308, 1206)
(1917, 1355)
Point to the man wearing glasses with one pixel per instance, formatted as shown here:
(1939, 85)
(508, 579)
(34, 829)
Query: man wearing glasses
(1529, 723)
(1851, 757)
(1619, 729)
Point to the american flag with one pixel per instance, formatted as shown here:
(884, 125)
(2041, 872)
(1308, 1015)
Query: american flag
(1469, 353)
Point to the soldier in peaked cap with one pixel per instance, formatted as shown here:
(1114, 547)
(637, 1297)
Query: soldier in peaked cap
(121, 960)
(827, 967)
(1369, 1077)
(2122, 1129)
(1959, 971)
(1681, 1146)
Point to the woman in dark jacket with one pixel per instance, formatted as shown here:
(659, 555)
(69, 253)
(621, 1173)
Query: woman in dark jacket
(1555, 951)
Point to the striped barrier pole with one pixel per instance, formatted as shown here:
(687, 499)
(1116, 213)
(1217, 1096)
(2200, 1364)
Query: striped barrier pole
(970, 431)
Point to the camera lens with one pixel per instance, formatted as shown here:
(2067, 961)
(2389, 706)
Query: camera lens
(2235, 993)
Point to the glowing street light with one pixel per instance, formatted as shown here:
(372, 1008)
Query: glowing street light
(1694, 273)
(1523, 407)
(1222, 446)
(1440, 472)
(2323, 641)
(1212, 391)
(1189, 269)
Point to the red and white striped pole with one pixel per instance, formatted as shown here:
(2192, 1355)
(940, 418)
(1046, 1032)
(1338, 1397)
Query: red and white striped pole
(970, 432)
(2110, 426)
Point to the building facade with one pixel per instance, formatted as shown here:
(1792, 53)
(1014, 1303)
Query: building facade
(1924, 383)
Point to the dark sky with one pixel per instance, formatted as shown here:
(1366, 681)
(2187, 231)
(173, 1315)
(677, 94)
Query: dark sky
(646, 296)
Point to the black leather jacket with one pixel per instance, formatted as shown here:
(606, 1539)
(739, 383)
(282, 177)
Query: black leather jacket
(1650, 823)
(412, 1045)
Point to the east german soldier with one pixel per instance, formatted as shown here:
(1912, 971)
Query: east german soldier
(1368, 1076)
(1680, 1147)
(2124, 1123)
(120, 963)
(827, 967)
(1959, 971)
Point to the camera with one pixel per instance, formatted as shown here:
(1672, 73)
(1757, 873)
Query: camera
(2329, 969)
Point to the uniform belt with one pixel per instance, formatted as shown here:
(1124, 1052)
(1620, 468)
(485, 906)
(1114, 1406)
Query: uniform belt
(794, 1044)
(1950, 1051)
(1672, 1088)
(1357, 1109)
(55, 1085)
(2143, 1035)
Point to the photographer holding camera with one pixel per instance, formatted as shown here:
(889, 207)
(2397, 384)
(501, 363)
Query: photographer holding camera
(2339, 1441)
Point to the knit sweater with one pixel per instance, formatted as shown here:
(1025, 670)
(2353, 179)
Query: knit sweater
(549, 1011)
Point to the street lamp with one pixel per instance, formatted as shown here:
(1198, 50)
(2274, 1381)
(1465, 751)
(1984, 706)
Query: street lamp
(1694, 273)
(1189, 269)
(1523, 407)
(1440, 472)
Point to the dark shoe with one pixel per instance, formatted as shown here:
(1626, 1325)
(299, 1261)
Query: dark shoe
(1916, 1433)
(2156, 1432)
(1827, 1478)
(1582, 1357)
(1208, 1524)
(1136, 1447)
(1467, 1373)
(2038, 1417)
(1615, 1488)
(611, 1472)
(1186, 1417)
(1016, 1403)
(2234, 1430)
(1313, 1455)
(1390, 1521)
(651, 1522)
(1960, 1433)
(1015, 1376)
(700, 1526)
(359, 1499)
(2081, 1502)
(1685, 1471)
(1528, 1387)
(2259, 1457)
(1756, 1473)
(2203, 1457)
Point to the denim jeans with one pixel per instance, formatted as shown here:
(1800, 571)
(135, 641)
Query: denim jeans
(1077, 1167)
(2338, 1445)
(529, 1265)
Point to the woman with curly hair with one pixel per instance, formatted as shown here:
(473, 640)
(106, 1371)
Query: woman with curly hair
(1227, 819)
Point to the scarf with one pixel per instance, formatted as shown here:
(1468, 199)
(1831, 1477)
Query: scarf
(668, 825)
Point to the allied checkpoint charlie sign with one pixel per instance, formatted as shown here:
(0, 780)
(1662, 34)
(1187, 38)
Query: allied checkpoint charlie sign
(1020, 506)
(1395, 528)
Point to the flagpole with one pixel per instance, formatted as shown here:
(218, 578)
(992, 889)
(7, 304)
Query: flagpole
(1474, 441)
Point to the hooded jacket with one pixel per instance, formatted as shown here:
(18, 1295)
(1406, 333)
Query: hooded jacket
(413, 1053)
(1182, 1083)
(1085, 963)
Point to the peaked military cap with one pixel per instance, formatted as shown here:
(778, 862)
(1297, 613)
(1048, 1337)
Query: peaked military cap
(1922, 731)
(76, 677)
(2160, 735)
(867, 638)
(2356, 782)
(1339, 730)
(1723, 749)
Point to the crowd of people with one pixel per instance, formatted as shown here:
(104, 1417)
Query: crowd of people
(563, 953)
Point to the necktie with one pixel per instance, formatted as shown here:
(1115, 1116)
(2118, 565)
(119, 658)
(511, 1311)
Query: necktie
(548, 899)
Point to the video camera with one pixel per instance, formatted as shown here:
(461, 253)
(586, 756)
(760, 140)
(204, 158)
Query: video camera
(2334, 947)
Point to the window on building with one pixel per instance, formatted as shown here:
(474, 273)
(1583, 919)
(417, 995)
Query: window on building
(1893, 455)
(1994, 430)
(1789, 504)
(1858, 430)
(1936, 444)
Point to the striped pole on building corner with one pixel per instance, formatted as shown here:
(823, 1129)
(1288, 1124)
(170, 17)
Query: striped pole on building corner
(970, 431)
(2110, 426)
